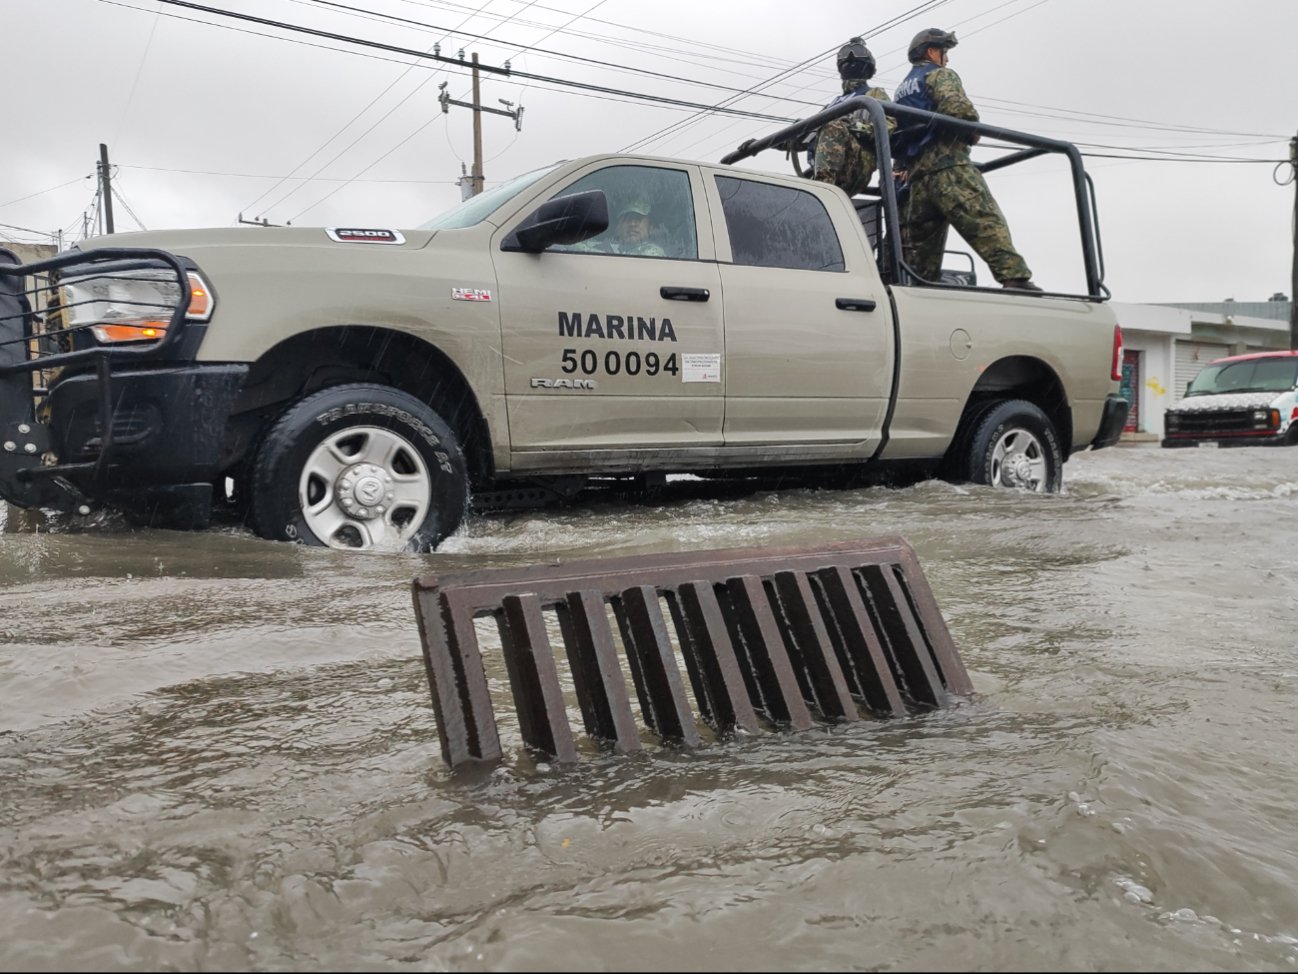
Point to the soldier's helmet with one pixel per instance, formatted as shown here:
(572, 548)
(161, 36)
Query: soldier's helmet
(930, 38)
(855, 62)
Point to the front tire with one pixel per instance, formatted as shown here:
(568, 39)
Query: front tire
(1015, 445)
(359, 466)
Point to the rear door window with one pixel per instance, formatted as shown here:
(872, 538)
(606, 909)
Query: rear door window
(776, 226)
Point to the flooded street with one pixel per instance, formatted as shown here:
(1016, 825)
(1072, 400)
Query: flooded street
(218, 752)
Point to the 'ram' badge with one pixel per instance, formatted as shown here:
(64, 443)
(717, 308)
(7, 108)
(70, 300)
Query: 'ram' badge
(470, 294)
(362, 235)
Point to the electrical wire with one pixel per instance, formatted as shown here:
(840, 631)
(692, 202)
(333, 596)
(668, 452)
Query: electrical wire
(367, 131)
(126, 206)
(255, 175)
(363, 171)
(38, 233)
(44, 191)
(578, 87)
(347, 39)
(139, 69)
(924, 7)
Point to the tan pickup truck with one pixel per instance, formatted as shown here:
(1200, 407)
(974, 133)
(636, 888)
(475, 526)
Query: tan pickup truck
(362, 386)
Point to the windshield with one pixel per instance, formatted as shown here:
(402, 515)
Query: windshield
(477, 208)
(1250, 375)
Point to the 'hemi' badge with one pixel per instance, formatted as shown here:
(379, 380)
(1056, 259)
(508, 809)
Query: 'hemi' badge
(360, 235)
(470, 294)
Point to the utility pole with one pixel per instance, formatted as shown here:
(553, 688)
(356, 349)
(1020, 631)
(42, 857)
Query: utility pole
(477, 130)
(476, 180)
(105, 188)
(1293, 279)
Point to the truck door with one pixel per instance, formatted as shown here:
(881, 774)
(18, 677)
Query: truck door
(809, 339)
(613, 345)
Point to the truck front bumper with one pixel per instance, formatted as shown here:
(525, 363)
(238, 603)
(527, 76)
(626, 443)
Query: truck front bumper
(168, 426)
(1226, 438)
(1112, 422)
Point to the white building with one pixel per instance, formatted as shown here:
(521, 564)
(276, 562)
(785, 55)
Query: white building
(1166, 346)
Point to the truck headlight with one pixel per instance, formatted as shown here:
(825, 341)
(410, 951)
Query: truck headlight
(130, 306)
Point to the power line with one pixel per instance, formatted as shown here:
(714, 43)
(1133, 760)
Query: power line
(574, 86)
(410, 67)
(534, 48)
(44, 191)
(559, 82)
(256, 175)
(139, 69)
(476, 68)
(127, 206)
(38, 233)
(924, 7)
(638, 43)
(1106, 155)
(490, 69)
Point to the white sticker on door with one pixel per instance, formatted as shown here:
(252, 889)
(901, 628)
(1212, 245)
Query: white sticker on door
(701, 367)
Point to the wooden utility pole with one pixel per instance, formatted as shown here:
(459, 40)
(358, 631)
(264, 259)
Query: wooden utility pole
(105, 188)
(476, 180)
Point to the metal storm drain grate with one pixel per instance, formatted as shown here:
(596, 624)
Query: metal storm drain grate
(781, 637)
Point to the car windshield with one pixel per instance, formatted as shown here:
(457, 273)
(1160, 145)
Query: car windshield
(1249, 375)
(477, 208)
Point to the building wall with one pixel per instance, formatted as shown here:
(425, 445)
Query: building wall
(29, 253)
(1156, 331)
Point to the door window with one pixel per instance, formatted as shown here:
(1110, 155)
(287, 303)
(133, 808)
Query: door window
(650, 213)
(775, 226)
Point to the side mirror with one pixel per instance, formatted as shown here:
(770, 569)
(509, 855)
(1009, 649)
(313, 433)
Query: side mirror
(565, 220)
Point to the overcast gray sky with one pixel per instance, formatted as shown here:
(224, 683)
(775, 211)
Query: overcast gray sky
(208, 117)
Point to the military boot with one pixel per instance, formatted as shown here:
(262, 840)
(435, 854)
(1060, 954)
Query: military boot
(1020, 284)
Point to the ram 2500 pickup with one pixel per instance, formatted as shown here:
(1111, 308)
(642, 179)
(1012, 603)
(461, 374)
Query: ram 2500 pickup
(361, 386)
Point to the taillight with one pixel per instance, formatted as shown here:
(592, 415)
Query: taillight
(1116, 372)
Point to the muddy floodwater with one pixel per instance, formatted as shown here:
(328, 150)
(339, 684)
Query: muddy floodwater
(219, 753)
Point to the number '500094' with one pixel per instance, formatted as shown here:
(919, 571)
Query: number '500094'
(613, 362)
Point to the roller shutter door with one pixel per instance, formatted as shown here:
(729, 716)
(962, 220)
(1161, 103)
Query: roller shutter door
(1190, 358)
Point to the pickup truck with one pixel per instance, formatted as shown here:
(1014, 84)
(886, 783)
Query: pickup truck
(363, 387)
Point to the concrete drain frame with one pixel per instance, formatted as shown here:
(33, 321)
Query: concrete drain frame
(779, 637)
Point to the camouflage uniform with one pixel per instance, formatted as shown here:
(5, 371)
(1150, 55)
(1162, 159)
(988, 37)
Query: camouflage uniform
(845, 147)
(945, 189)
(604, 245)
(645, 248)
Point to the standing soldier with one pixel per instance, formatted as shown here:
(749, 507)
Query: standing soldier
(845, 147)
(943, 187)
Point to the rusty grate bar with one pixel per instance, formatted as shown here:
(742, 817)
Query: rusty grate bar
(770, 637)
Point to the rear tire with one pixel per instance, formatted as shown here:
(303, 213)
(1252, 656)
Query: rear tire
(359, 466)
(1015, 445)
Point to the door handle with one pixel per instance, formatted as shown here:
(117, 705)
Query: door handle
(685, 293)
(855, 304)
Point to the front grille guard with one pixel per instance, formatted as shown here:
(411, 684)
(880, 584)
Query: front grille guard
(37, 344)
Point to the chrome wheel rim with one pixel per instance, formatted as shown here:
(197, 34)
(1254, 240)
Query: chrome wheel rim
(1019, 462)
(365, 487)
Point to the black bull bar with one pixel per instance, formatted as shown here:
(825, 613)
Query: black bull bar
(38, 342)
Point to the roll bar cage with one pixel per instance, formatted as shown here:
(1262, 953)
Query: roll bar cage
(789, 139)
